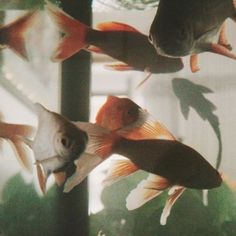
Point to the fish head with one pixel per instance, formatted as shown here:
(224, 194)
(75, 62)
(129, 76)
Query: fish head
(117, 113)
(57, 142)
(171, 31)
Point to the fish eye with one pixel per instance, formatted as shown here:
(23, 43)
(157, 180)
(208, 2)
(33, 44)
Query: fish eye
(66, 142)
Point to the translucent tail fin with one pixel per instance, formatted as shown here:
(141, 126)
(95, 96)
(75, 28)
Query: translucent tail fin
(14, 33)
(75, 31)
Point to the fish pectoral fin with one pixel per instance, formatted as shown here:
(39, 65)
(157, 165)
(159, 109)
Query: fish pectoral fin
(118, 170)
(170, 202)
(148, 75)
(146, 128)
(119, 66)
(184, 109)
(23, 154)
(84, 165)
(60, 178)
(221, 50)
(115, 26)
(74, 40)
(46, 160)
(42, 178)
(194, 63)
(146, 190)
(94, 49)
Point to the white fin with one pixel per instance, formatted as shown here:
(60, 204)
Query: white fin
(84, 165)
(118, 170)
(146, 190)
(170, 202)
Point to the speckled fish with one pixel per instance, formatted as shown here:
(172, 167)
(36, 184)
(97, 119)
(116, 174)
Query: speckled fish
(12, 133)
(118, 40)
(183, 27)
(57, 143)
(13, 34)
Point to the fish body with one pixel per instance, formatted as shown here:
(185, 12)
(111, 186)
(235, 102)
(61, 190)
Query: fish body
(13, 34)
(182, 27)
(57, 143)
(118, 40)
(178, 163)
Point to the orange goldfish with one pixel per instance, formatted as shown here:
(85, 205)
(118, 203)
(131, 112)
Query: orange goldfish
(13, 35)
(11, 133)
(118, 40)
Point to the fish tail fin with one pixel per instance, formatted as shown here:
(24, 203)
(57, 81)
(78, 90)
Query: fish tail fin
(22, 153)
(100, 140)
(174, 195)
(14, 33)
(75, 31)
(146, 190)
(118, 170)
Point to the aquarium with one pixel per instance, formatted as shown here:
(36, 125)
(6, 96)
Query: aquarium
(180, 100)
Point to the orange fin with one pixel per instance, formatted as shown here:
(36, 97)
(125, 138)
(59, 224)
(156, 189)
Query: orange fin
(116, 26)
(94, 49)
(84, 165)
(118, 170)
(223, 39)
(60, 178)
(170, 202)
(194, 63)
(119, 67)
(146, 190)
(146, 128)
(15, 33)
(75, 31)
(42, 179)
(23, 153)
(221, 50)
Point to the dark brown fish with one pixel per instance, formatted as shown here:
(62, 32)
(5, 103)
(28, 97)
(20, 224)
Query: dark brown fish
(117, 40)
(185, 27)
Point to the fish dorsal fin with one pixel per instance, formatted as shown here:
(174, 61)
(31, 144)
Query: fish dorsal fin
(118, 170)
(146, 190)
(170, 202)
(116, 26)
(146, 128)
(119, 66)
(84, 165)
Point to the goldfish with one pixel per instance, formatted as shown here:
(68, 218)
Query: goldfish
(182, 28)
(117, 40)
(13, 34)
(57, 143)
(11, 132)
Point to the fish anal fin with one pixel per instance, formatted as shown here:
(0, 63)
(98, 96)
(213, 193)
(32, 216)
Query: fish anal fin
(194, 63)
(60, 178)
(146, 190)
(118, 170)
(119, 67)
(115, 26)
(169, 204)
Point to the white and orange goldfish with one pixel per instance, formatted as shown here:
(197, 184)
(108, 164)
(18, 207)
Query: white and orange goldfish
(13, 34)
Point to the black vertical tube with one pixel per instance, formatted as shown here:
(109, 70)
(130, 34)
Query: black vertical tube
(75, 93)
